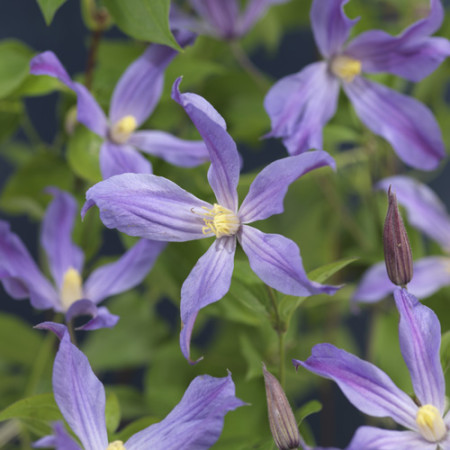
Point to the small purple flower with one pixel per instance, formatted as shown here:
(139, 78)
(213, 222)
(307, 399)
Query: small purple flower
(21, 277)
(134, 99)
(374, 393)
(300, 105)
(155, 208)
(195, 423)
(222, 19)
(427, 213)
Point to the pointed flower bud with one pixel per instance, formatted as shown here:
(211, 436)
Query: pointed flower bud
(281, 418)
(397, 251)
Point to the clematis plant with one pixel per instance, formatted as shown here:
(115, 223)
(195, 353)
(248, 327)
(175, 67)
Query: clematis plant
(428, 214)
(300, 105)
(155, 208)
(374, 393)
(134, 99)
(195, 423)
(21, 277)
(222, 19)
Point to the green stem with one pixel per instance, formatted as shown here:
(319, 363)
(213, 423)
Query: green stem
(8, 431)
(245, 62)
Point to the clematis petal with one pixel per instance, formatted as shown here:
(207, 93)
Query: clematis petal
(148, 206)
(20, 275)
(300, 105)
(222, 17)
(207, 283)
(89, 112)
(100, 316)
(408, 125)
(377, 438)
(331, 26)
(196, 421)
(80, 395)
(125, 273)
(425, 210)
(139, 89)
(366, 387)
(56, 235)
(254, 11)
(223, 175)
(266, 194)
(61, 439)
(277, 261)
(375, 285)
(116, 159)
(420, 340)
(170, 148)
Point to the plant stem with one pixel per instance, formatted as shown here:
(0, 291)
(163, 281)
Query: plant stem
(92, 58)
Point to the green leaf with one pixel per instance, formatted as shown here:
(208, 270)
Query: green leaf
(19, 343)
(112, 412)
(146, 20)
(252, 357)
(312, 407)
(15, 58)
(49, 8)
(322, 274)
(36, 412)
(445, 351)
(83, 154)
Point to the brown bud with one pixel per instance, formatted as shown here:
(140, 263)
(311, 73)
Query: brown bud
(281, 418)
(397, 251)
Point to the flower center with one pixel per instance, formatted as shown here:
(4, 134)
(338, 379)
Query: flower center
(430, 423)
(72, 289)
(116, 445)
(345, 67)
(121, 130)
(220, 221)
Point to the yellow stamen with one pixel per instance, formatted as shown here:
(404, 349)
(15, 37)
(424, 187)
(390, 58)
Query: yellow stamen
(430, 423)
(116, 445)
(220, 221)
(121, 130)
(72, 288)
(345, 67)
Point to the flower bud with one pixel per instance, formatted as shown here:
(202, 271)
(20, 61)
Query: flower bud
(281, 418)
(397, 251)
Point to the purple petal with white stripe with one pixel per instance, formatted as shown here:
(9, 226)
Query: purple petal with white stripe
(196, 421)
(56, 237)
(208, 282)
(170, 148)
(300, 105)
(266, 194)
(116, 159)
(61, 439)
(366, 387)
(148, 206)
(331, 26)
(277, 261)
(424, 208)
(223, 175)
(100, 316)
(89, 112)
(377, 438)
(20, 275)
(125, 273)
(79, 395)
(411, 129)
(420, 341)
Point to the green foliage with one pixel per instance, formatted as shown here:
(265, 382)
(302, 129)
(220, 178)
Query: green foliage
(146, 20)
(49, 8)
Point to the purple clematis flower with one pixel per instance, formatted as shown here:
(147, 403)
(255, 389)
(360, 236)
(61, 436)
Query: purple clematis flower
(195, 423)
(21, 278)
(374, 393)
(300, 105)
(427, 213)
(134, 99)
(222, 19)
(155, 208)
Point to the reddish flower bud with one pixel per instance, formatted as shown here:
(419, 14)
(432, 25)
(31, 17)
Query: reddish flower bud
(281, 418)
(397, 251)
